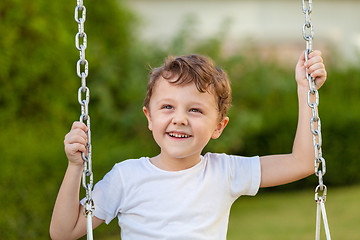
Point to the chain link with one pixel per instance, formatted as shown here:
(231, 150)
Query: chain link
(82, 72)
(315, 125)
(313, 100)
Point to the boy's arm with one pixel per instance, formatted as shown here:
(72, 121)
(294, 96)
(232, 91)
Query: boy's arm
(68, 221)
(281, 169)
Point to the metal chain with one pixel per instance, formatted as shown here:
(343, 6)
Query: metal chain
(315, 126)
(82, 72)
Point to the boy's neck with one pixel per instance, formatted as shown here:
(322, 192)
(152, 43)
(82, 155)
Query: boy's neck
(174, 164)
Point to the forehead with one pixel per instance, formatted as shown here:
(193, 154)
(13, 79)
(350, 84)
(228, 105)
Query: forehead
(165, 89)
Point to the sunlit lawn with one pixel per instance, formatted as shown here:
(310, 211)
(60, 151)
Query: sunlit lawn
(291, 215)
(287, 215)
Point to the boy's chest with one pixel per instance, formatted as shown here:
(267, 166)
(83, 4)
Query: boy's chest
(177, 197)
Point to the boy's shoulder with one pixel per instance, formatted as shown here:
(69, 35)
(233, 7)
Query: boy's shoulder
(143, 166)
(223, 157)
(131, 163)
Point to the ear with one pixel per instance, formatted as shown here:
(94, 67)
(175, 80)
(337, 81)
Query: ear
(147, 114)
(220, 127)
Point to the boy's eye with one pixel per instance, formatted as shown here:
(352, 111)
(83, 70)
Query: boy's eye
(167, 107)
(195, 110)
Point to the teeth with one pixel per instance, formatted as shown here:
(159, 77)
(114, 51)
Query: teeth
(177, 135)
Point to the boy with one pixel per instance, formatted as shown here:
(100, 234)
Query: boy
(180, 194)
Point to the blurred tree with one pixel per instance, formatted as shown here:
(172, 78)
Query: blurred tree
(38, 97)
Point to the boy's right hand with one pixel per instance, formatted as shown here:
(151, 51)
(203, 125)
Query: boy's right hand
(75, 143)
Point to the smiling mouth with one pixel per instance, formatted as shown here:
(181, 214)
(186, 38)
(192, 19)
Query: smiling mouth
(178, 135)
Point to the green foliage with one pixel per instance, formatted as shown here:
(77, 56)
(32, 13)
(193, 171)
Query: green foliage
(38, 102)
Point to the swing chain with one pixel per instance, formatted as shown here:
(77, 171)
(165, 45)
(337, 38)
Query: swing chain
(82, 72)
(315, 126)
(315, 123)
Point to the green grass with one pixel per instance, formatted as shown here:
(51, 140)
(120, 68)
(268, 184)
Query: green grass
(289, 215)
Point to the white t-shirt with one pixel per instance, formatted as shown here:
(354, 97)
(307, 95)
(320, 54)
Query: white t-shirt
(192, 204)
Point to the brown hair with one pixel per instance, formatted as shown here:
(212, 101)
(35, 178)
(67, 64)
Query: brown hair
(197, 69)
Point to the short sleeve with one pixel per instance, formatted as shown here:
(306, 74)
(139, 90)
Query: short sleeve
(245, 175)
(107, 196)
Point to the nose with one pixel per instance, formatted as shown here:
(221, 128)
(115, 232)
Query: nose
(179, 118)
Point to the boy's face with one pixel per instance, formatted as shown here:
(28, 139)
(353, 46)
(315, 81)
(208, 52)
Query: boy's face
(182, 119)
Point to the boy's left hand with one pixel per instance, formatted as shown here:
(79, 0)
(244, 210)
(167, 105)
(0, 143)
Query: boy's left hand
(314, 66)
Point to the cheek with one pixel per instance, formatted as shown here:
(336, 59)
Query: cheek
(204, 130)
(158, 131)
(159, 125)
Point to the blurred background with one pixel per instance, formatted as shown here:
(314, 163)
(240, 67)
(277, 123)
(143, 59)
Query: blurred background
(257, 42)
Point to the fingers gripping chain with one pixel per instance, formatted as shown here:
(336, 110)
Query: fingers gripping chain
(315, 126)
(82, 72)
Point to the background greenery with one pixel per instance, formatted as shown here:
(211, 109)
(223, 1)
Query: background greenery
(38, 103)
